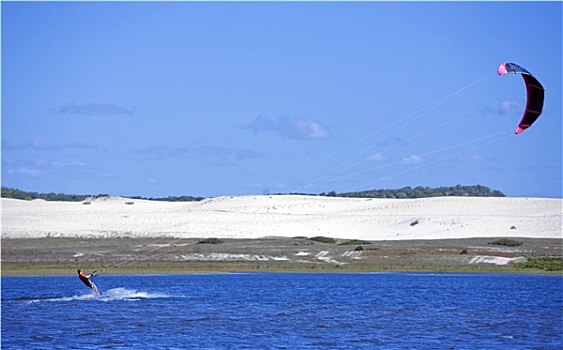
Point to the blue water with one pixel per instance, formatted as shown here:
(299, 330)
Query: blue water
(285, 311)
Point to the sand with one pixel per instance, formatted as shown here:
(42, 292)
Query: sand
(287, 216)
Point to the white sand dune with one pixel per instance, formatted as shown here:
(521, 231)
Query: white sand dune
(289, 216)
(496, 260)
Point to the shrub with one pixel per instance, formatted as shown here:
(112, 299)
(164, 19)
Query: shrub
(354, 242)
(210, 241)
(506, 242)
(323, 239)
(544, 263)
(415, 222)
(359, 248)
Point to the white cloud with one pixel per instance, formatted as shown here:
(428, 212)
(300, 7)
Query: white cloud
(291, 128)
(152, 181)
(509, 107)
(101, 109)
(38, 167)
(225, 156)
(377, 157)
(414, 159)
(35, 144)
(25, 171)
(162, 152)
(76, 163)
(44, 145)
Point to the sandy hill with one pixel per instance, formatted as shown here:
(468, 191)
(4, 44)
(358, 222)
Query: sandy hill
(288, 216)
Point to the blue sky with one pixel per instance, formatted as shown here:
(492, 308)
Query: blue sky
(208, 99)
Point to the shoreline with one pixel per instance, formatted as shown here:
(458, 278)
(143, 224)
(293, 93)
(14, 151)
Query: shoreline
(62, 272)
(134, 256)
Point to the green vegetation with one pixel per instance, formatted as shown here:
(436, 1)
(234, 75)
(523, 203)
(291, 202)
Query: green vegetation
(18, 194)
(373, 248)
(186, 267)
(354, 242)
(173, 199)
(423, 192)
(50, 256)
(405, 192)
(545, 263)
(210, 241)
(323, 239)
(506, 242)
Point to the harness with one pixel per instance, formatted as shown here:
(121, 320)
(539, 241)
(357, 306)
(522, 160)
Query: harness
(85, 279)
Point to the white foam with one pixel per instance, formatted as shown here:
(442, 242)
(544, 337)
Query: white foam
(128, 294)
(109, 295)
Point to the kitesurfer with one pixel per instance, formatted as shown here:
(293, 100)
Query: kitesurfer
(86, 279)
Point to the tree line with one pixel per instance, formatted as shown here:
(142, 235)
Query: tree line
(24, 195)
(422, 192)
(402, 193)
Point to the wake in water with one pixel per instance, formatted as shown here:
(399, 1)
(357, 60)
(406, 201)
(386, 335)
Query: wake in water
(128, 294)
(109, 295)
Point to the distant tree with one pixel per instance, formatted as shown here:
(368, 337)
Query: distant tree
(211, 240)
(507, 242)
(51, 196)
(405, 192)
(323, 239)
(424, 192)
(401, 194)
(18, 194)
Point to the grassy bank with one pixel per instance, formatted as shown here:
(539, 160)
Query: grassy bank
(62, 256)
(47, 269)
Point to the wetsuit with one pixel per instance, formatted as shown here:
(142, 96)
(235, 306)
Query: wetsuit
(85, 279)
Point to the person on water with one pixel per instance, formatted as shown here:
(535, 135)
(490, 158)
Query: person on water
(87, 281)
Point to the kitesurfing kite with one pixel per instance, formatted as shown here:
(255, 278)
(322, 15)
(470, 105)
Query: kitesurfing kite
(535, 92)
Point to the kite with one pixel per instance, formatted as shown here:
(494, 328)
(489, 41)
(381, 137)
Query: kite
(535, 92)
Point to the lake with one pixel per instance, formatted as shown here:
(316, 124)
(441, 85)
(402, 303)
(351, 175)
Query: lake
(285, 311)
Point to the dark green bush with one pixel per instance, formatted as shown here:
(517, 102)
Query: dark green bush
(423, 192)
(210, 241)
(323, 239)
(545, 263)
(506, 242)
(354, 242)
